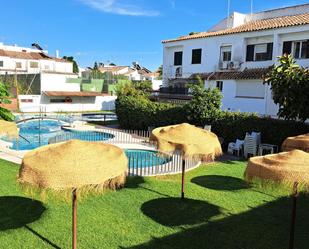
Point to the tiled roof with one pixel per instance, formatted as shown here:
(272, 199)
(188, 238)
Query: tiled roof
(246, 74)
(73, 94)
(28, 55)
(273, 23)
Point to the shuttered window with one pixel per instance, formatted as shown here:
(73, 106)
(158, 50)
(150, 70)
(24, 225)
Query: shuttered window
(287, 47)
(246, 89)
(178, 58)
(260, 52)
(299, 49)
(196, 56)
(250, 53)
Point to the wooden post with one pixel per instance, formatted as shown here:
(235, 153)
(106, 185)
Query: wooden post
(74, 217)
(183, 178)
(293, 220)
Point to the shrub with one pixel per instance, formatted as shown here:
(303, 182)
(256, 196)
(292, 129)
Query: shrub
(205, 105)
(233, 125)
(138, 112)
(290, 86)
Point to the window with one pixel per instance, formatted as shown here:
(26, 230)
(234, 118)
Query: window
(1, 63)
(299, 49)
(250, 90)
(197, 56)
(260, 52)
(46, 67)
(18, 64)
(226, 53)
(178, 58)
(34, 64)
(219, 85)
(57, 101)
(26, 100)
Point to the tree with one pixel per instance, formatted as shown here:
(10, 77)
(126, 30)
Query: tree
(290, 88)
(95, 66)
(4, 94)
(160, 71)
(205, 105)
(75, 65)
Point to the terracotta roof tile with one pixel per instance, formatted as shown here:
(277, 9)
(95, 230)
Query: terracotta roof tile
(246, 74)
(73, 94)
(272, 23)
(28, 55)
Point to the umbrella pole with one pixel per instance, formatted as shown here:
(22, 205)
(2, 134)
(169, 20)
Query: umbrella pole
(74, 217)
(183, 179)
(292, 231)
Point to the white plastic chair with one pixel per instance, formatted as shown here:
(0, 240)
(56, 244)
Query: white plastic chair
(236, 147)
(251, 144)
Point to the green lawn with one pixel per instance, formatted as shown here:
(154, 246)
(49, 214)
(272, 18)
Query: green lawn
(221, 212)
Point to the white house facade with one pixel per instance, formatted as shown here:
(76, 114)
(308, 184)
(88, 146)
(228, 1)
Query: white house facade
(57, 87)
(237, 52)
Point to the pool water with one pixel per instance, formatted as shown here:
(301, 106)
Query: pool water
(36, 133)
(145, 158)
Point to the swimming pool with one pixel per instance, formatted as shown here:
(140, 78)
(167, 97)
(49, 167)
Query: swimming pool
(36, 133)
(145, 158)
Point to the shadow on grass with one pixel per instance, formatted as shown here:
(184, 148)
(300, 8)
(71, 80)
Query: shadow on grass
(16, 211)
(218, 182)
(134, 182)
(176, 212)
(263, 227)
(42, 237)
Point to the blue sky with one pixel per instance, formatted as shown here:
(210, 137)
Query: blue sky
(119, 31)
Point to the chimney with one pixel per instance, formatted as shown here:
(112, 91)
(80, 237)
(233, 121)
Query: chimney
(57, 53)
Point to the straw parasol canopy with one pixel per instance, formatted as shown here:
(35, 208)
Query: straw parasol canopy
(8, 129)
(74, 164)
(299, 142)
(285, 167)
(189, 139)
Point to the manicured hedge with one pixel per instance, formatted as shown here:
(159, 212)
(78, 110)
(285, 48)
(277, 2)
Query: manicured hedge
(231, 126)
(137, 112)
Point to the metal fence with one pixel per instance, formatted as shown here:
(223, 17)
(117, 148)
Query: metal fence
(105, 135)
(150, 164)
(140, 164)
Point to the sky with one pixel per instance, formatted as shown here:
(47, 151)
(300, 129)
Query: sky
(118, 31)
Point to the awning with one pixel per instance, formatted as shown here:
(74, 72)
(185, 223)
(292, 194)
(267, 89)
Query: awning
(73, 94)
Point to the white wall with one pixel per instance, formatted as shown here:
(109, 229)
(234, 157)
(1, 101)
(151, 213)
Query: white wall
(79, 104)
(233, 103)
(211, 50)
(57, 82)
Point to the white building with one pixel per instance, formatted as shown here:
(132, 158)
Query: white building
(57, 87)
(235, 54)
(134, 73)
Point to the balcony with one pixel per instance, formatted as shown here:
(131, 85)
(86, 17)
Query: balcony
(229, 65)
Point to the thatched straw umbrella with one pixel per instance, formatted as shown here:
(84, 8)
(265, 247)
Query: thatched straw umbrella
(74, 165)
(191, 141)
(8, 129)
(287, 167)
(296, 143)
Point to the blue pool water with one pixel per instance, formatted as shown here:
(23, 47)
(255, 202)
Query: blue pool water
(37, 133)
(34, 134)
(145, 158)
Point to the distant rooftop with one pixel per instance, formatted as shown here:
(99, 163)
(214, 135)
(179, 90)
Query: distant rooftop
(26, 53)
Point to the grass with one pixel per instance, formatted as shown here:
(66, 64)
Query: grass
(221, 211)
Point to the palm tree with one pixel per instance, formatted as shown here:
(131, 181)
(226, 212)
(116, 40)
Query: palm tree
(4, 99)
